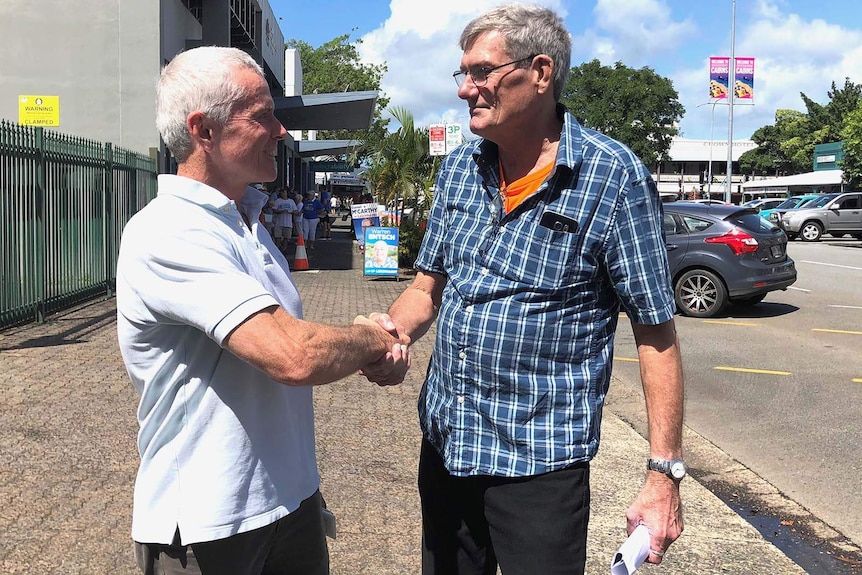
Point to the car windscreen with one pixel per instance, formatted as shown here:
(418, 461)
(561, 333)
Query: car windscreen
(788, 203)
(821, 201)
(752, 222)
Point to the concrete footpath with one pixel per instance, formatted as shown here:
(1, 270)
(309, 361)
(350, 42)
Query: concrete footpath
(68, 457)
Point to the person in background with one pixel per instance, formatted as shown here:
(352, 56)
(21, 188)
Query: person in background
(210, 328)
(312, 210)
(284, 208)
(297, 216)
(325, 217)
(541, 232)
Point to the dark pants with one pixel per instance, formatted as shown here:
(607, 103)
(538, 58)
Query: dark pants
(293, 545)
(527, 525)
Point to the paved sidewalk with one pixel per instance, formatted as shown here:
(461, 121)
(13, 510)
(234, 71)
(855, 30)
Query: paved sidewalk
(68, 456)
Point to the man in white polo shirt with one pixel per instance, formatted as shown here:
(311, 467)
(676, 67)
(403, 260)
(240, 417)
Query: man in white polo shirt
(211, 331)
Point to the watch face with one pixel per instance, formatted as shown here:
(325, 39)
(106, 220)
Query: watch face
(677, 469)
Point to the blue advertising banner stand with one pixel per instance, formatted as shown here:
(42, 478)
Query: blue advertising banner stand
(381, 252)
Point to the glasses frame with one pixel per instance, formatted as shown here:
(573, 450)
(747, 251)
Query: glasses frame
(460, 76)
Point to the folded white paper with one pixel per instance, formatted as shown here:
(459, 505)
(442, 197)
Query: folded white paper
(632, 553)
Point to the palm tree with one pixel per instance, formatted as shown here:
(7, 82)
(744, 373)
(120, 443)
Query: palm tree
(401, 167)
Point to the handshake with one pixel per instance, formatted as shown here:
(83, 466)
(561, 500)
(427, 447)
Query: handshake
(392, 366)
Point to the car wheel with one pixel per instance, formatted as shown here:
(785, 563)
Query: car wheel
(753, 300)
(700, 293)
(810, 232)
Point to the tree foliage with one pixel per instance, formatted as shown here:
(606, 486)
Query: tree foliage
(852, 137)
(335, 67)
(400, 165)
(637, 107)
(787, 147)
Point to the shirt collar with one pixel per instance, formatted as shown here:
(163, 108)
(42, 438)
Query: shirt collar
(209, 197)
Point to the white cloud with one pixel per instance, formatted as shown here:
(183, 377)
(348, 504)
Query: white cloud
(633, 32)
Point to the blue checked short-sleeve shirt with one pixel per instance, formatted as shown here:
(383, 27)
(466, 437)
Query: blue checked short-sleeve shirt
(525, 332)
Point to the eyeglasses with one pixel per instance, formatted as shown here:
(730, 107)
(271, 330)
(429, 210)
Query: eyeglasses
(480, 75)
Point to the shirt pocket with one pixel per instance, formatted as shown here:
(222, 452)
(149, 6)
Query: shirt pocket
(542, 258)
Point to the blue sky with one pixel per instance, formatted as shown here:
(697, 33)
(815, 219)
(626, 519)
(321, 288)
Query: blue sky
(799, 46)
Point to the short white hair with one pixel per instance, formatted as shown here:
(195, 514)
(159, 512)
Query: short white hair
(201, 79)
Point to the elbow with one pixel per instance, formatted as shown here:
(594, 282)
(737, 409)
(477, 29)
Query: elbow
(292, 373)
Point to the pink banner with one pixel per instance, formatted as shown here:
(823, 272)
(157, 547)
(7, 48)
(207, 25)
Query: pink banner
(743, 86)
(719, 72)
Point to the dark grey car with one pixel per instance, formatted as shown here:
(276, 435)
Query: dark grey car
(723, 254)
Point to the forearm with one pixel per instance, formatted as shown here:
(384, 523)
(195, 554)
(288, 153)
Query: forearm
(416, 308)
(662, 379)
(297, 352)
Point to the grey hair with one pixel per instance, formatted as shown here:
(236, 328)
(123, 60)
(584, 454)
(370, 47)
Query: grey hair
(201, 79)
(527, 29)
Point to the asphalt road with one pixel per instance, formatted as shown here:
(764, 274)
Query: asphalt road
(778, 386)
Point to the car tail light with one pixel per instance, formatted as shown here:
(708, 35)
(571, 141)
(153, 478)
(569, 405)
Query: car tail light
(737, 240)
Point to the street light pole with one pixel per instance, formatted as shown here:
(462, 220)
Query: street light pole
(731, 81)
(711, 140)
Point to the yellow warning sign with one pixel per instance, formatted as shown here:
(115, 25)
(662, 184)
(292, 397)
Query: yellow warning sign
(39, 111)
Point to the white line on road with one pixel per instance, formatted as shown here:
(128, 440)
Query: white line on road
(830, 265)
(847, 306)
(800, 289)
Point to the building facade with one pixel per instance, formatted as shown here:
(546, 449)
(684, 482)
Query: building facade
(700, 167)
(101, 59)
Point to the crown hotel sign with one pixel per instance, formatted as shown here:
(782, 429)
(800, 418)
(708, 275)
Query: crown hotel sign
(39, 111)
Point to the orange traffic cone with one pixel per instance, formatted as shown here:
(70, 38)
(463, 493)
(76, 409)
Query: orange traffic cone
(300, 260)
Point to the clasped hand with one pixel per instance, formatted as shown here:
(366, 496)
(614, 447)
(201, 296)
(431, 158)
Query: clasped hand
(390, 368)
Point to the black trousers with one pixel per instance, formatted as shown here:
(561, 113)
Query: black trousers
(526, 525)
(293, 545)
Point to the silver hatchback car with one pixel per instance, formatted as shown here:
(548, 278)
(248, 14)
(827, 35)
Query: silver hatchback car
(842, 214)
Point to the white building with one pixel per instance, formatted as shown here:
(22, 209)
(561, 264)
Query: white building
(689, 168)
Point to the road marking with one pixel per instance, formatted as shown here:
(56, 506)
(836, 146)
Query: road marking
(857, 380)
(626, 359)
(838, 331)
(846, 306)
(748, 370)
(730, 322)
(830, 265)
(800, 289)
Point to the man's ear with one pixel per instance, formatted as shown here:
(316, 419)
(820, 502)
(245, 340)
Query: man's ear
(201, 129)
(544, 66)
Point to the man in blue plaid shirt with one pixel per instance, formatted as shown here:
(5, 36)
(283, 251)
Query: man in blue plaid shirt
(539, 234)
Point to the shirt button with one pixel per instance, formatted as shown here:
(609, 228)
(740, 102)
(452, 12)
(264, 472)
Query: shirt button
(462, 355)
(484, 271)
(469, 309)
(460, 399)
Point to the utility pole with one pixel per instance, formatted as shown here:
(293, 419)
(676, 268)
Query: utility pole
(731, 81)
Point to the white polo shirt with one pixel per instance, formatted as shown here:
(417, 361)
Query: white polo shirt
(224, 448)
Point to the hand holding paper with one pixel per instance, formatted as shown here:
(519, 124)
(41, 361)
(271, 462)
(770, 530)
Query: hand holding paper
(632, 553)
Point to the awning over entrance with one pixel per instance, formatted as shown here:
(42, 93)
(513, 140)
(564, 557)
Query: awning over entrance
(339, 111)
(810, 179)
(312, 148)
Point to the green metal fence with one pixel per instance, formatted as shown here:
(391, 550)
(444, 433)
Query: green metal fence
(64, 202)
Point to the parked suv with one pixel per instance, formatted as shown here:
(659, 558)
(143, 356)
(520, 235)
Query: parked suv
(774, 214)
(840, 215)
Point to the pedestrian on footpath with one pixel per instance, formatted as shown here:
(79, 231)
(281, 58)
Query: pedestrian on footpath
(284, 209)
(540, 233)
(312, 210)
(211, 331)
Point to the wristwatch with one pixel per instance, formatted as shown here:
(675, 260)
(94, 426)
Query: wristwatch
(675, 468)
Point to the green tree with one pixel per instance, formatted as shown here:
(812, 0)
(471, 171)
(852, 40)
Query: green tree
(637, 107)
(400, 165)
(852, 137)
(788, 146)
(335, 67)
